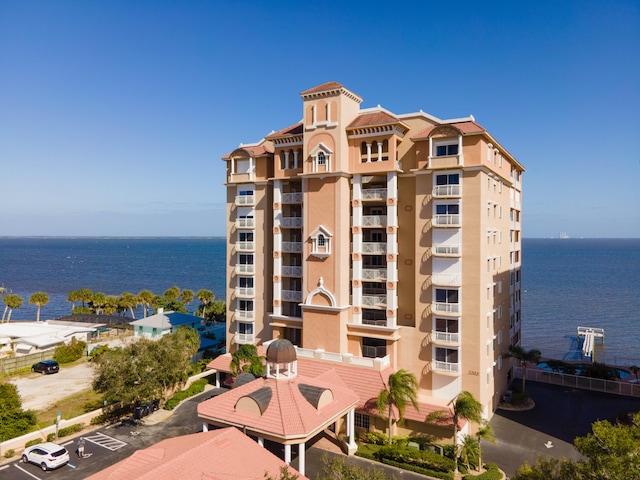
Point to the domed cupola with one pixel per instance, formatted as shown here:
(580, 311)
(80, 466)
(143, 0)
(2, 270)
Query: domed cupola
(282, 359)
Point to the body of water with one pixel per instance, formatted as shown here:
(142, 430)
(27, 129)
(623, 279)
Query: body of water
(566, 282)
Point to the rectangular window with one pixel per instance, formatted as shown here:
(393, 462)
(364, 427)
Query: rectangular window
(245, 282)
(374, 347)
(447, 150)
(450, 179)
(361, 420)
(245, 236)
(449, 355)
(245, 259)
(245, 305)
(452, 209)
(245, 328)
(243, 166)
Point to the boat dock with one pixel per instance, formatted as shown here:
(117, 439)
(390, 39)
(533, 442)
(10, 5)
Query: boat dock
(590, 335)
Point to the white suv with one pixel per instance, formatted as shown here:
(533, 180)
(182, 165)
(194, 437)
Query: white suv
(48, 455)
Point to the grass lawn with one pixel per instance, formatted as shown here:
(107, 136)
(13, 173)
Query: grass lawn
(70, 407)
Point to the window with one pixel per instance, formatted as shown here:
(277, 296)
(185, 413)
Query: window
(448, 355)
(321, 241)
(447, 325)
(245, 259)
(449, 179)
(447, 150)
(243, 166)
(294, 335)
(245, 282)
(322, 159)
(245, 193)
(245, 305)
(374, 347)
(446, 296)
(245, 236)
(452, 209)
(245, 328)
(361, 420)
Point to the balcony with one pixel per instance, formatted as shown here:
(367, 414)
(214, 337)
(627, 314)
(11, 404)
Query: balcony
(245, 269)
(245, 246)
(289, 271)
(374, 194)
(447, 308)
(245, 292)
(449, 279)
(244, 314)
(446, 250)
(245, 222)
(295, 197)
(447, 191)
(245, 200)
(374, 300)
(242, 338)
(445, 367)
(374, 221)
(374, 274)
(292, 247)
(291, 295)
(447, 220)
(445, 338)
(374, 323)
(376, 248)
(291, 222)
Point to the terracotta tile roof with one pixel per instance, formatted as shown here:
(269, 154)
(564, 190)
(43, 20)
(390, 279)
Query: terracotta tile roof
(466, 128)
(215, 455)
(253, 150)
(323, 87)
(289, 413)
(374, 118)
(290, 131)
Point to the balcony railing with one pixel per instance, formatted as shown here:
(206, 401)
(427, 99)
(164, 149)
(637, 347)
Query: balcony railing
(447, 250)
(295, 197)
(374, 194)
(374, 221)
(244, 314)
(291, 295)
(446, 220)
(291, 222)
(373, 300)
(446, 367)
(245, 222)
(288, 271)
(244, 338)
(244, 200)
(446, 307)
(375, 323)
(446, 279)
(245, 246)
(245, 292)
(374, 274)
(373, 247)
(443, 191)
(294, 247)
(446, 337)
(244, 268)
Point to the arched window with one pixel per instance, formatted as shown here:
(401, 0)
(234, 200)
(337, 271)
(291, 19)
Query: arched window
(322, 159)
(363, 148)
(322, 241)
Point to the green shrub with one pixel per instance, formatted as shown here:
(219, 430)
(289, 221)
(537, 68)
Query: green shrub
(194, 389)
(51, 437)
(63, 432)
(98, 351)
(418, 458)
(69, 353)
(376, 438)
(401, 440)
(520, 398)
(492, 473)
(9, 453)
(35, 441)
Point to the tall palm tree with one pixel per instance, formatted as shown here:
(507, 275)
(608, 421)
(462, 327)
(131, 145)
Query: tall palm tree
(11, 301)
(172, 293)
(465, 407)
(145, 297)
(402, 388)
(128, 301)
(524, 357)
(186, 296)
(469, 451)
(485, 432)
(205, 297)
(98, 301)
(73, 297)
(246, 359)
(40, 299)
(86, 296)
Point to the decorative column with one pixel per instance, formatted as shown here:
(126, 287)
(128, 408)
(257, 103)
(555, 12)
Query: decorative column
(301, 457)
(261, 441)
(368, 153)
(286, 159)
(287, 454)
(379, 151)
(352, 446)
(205, 427)
(295, 159)
(460, 154)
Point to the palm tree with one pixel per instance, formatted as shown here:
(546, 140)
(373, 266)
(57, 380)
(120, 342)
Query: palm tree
(128, 301)
(172, 293)
(86, 295)
(205, 297)
(469, 451)
(401, 388)
(485, 432)
(110, 305)
(98, 301)
(73, 297)
(11, 301)
(186, 296)
(145, 297)
(40, 299)
(524, 357)
(246, 359)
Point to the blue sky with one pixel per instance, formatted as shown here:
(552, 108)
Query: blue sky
(114, 115)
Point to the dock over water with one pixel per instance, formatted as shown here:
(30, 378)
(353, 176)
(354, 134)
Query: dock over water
(590, 335)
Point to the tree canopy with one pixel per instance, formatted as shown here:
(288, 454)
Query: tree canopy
(13, 420)
(401, 389)
(40, 299)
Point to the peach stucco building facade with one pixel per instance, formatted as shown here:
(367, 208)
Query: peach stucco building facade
(375, 240)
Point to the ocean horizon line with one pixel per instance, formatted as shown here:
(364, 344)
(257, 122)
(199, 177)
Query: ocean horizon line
(142, 237)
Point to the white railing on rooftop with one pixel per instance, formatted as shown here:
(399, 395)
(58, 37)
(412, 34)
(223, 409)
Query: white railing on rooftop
(378, 364)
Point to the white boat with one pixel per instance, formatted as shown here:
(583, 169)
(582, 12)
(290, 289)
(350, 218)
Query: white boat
(564, 235)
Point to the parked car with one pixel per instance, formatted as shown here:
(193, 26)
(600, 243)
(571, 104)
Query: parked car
(47, 455)
(46, 366)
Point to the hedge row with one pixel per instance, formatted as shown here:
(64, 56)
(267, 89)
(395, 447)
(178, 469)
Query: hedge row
(412, 457)
(492, 473)
(63, 432)
(194, 389)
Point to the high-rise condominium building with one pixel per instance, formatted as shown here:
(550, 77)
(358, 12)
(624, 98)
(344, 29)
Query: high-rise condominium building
(378, 239)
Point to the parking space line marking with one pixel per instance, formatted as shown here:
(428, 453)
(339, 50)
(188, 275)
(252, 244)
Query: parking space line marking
(28, 473)
(105, 441)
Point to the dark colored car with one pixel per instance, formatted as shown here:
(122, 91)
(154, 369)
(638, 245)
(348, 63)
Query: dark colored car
(46, 366)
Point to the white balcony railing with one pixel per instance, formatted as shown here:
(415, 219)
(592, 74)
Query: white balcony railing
(375, 323)
(446, 279)
(373, 247)
(245, 246)
(447, 250)
(446, 337)
(295, 197)
(295, 247)
(446, 367)
(245, 200)
(288, 271)
(443, 191)
(292, 295)
(374, 221)
(245, 222)
(373, 300)
(244, 314)
(244, 268)
(446, 307)
(446, 220)
(374, 194)
(245, 292)
(291, 222)
(374, 274)
(244, 338)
